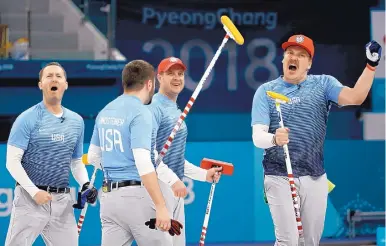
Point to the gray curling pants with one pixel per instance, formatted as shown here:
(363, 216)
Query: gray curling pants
(313, 192)
(124, 212)
(54, 221)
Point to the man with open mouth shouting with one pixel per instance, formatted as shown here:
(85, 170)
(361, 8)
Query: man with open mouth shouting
(305, 119)
(46, 144)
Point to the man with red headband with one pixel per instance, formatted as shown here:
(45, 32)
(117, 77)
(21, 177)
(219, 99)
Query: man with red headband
(305, 118)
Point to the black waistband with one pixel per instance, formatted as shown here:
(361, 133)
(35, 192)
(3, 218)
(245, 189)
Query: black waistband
(108, 186)
(52, 189)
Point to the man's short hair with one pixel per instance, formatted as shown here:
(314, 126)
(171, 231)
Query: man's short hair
(136, 73)
(51, 64)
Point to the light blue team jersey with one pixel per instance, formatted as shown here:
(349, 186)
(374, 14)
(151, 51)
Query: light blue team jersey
(165, 117)
(49, 143)
(306, 117)
(122, 125)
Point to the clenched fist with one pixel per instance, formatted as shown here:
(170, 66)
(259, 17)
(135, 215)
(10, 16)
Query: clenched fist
(175, 228)
(213, 174)
(281, 136)
(163, 221)
(373, 53)
(42, 197)
(179, 189)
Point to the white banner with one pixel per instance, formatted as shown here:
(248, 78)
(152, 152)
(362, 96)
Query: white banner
(378, 34)
(374, 126)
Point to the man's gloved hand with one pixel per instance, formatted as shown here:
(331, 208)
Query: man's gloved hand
(175, 229)
(373, 53)
(86, 195)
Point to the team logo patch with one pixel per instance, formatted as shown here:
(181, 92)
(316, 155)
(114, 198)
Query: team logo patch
(173, 59)
(299, 39)
(294, 100)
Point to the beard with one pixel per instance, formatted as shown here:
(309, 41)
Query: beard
(150, 96)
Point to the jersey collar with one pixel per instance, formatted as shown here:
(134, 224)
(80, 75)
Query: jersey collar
(43, 106)
(287, 84)
(164, 99)
(135, 98)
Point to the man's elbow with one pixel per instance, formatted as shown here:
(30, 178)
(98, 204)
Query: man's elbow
(257, 142)
(94, 155)
(352, 98)
(90, 159)
(357, 100)
(8, 165)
